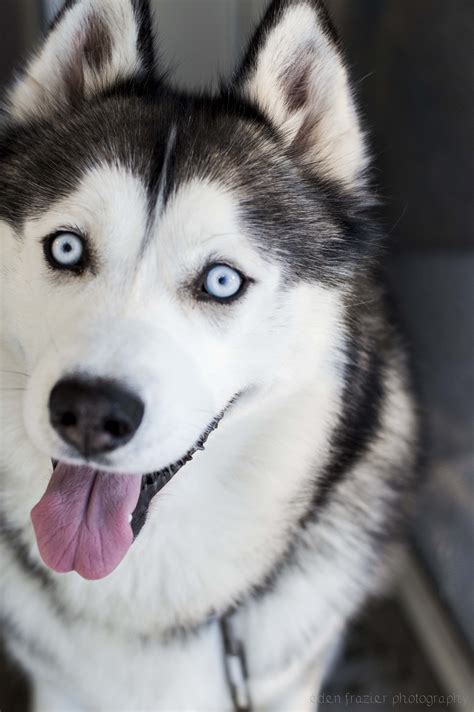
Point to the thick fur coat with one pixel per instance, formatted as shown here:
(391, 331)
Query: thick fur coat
(288, 516)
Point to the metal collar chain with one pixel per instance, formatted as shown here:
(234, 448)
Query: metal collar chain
(235, 666)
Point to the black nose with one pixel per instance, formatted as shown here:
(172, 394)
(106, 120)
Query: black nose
(94, 416)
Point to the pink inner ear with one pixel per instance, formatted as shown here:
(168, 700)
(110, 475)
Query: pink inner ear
(94, 49)
(77, 58)
(295, 81)
(97, 44)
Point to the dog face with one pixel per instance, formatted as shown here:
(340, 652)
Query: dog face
(166, 258)
(137, 308)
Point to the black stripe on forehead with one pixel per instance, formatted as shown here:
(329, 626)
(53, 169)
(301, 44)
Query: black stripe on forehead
(162, 169)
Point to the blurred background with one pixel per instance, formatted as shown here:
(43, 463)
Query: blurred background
(413, 68)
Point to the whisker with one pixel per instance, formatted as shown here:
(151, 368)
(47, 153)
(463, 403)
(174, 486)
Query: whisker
(15, 373)
(219, 234)
(399, 220)
(366, 76)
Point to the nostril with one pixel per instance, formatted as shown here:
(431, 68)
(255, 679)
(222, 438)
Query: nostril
(68, 420)
(116, 428)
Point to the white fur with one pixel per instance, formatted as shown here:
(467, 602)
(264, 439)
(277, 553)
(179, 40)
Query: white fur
(44, 87)
(298, 43)
(220, 514)
(181, 359)
(225, 520)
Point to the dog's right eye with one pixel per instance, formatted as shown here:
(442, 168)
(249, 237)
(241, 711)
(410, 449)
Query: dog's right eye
(65, 250)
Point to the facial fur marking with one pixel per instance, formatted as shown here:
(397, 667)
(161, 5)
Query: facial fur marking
(359, 422)
(160, 182)
(165, 178)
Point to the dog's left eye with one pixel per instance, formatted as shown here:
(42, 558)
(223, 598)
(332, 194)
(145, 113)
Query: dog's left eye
(65, 250)
(222, 282)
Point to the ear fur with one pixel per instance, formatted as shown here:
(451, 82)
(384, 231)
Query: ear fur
(295, 74)
(92, 45)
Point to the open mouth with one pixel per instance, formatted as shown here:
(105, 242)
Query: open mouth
(155, 481)
(87, 519)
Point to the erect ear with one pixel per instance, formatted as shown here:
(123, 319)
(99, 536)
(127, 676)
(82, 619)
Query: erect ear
(92, 45)
(295, 74)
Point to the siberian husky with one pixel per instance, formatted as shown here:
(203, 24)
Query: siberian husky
(207, 431)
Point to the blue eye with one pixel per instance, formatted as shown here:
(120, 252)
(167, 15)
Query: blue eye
(66, 250)
(223, 282)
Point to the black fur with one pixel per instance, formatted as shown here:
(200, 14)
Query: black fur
(315, 229)
(145, 34)
(363, 398)
(319, 231)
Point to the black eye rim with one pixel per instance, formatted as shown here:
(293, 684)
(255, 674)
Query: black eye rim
(77, 268)
(204, 296)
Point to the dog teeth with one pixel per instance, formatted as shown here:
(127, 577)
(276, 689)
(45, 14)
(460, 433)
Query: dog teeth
(130, 517)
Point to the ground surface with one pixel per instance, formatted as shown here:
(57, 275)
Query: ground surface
(383, 668)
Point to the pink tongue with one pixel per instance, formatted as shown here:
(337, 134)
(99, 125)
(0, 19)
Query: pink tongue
(81, 522)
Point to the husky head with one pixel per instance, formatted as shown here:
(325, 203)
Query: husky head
(171, 263)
